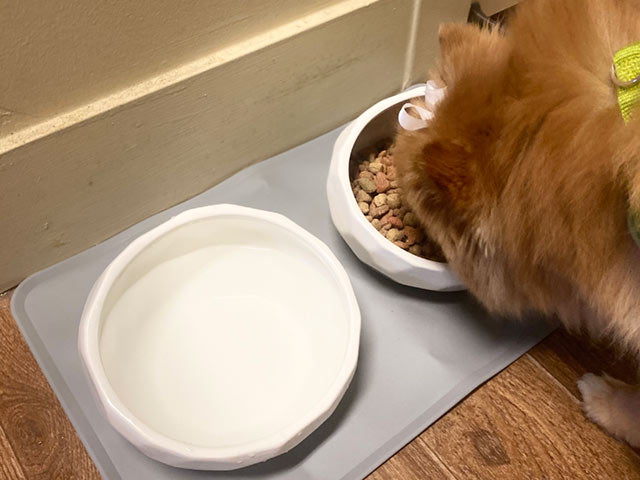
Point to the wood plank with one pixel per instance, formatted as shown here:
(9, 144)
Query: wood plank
(523, 424)
(36, 427)
(567, 358)
(416, 461)
(9, 466)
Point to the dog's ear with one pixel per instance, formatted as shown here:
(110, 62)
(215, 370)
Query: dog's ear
(448, 166)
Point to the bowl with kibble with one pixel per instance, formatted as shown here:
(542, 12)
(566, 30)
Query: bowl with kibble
(367, 205)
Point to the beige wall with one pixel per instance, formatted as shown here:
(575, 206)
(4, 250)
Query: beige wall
(75, 178)
(57, 55)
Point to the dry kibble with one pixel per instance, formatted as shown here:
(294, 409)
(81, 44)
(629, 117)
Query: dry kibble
(394, 201)
(394, 235)
(367, 185)
(410, 219)
(380, 199)
(376, 167)
(377, 212)
(395, 222)
(390, 219)
(411, 234)
(362, 196)
(382, 183)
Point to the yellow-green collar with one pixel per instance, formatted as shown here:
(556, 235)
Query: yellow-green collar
(626, 76)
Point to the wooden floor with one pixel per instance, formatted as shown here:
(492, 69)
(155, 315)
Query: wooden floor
(525, 423)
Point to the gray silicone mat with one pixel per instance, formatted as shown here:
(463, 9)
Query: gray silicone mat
(421, 352)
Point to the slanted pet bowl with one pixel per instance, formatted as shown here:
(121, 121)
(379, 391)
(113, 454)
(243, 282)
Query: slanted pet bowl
(221, 338)
(374, 127)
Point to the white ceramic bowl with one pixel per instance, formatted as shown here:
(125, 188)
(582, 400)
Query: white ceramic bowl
(375, 126)
(221, 338)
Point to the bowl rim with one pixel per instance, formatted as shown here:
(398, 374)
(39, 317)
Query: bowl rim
(175, 452)
(342, 154)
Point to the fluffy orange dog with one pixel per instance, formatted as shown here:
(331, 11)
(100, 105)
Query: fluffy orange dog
(527, 171)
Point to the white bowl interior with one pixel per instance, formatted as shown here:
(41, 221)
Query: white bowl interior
(377, 134)
(224, 331)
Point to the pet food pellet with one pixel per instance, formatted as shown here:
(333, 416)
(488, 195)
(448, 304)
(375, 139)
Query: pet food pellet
(362, 196)
(376, 167)
(367, 184)
(395, 222)
(410, 219)
(366, 174)
(411, 234)
(390, 219)
(364, 207)
(393, 184)
(382, 184)
(369, 218)
(380, 199)
(393, 200)
(377, 212)
(415, 249)
(394, 235)
(377, 224)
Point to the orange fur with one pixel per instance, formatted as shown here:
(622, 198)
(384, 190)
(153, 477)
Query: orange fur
(525, 174)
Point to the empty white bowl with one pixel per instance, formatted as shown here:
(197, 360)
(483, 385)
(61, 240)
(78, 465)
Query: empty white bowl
(221, 338)
(375, 126)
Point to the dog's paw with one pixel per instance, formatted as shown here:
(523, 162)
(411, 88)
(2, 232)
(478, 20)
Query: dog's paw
(613, 405)
(596, 398)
